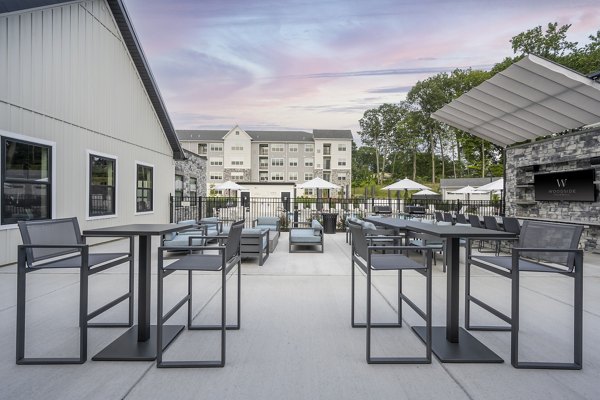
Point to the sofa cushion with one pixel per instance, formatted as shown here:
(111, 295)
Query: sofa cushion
(317, 227)
(369, 225)
(183, 240)
(303, 236)
(271, 221)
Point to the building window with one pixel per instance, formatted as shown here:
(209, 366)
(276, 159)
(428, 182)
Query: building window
(308, 192)
(342, 176)
(237, 162)
(216, 161)
(216, 176)
(26, 181)
(237, 176)
(293, 162)
(216, 147)
(327, 176)
(277, 176)
(263, 176)
(277, 162)
(342, 162)
(279, 148)
(293, 176)
(103, 177)
(237, 133)
(237, 148)
(202, 148)
(341, 147)
(308, 176)
(309, 148)
(293, 148)
(144, 191)
(193, 190)
(178, 189)
(308, 162)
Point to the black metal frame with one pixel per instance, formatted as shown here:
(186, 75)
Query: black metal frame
(300, 243)
(368, 270)
(162, 318)
(514, 274)
(84, 317)
(252, 246)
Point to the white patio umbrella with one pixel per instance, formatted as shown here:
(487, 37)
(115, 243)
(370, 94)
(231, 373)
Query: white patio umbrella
(494, 186)
(406, 184)
(468, 190)
(317, 183)
(229, 185)
(426, 192)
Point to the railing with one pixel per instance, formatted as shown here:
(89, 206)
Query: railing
(305, 209)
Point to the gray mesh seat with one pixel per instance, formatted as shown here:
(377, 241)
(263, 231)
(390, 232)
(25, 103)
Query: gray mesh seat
(365, 256)
(511, 224)
(58, 243)
(228, 257)
(542, 247)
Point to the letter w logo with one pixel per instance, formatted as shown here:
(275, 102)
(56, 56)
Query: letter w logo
(561, 183)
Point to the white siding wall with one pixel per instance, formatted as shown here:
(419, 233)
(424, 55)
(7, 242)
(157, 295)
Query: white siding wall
(242, 139)
(66, 77)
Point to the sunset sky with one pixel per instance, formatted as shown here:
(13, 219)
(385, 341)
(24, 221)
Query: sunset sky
(304, 64)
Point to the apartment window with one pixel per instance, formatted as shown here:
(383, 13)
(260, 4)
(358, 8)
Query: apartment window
(237, 162)
(308, 192)
(293, 162)
(263, 176)
(193, 190)
(342, 176)
(293, 148)
(102, 189)
(263, 149)
(201, 148)
(143, 190)
(237, 176)
(216, 147)
(26, 181)
(277, 162)
(308, 162)
(309, 148)
(327, 176)
(237, 148)
(277, 176)
(342, 162)
(293, 176)
(308, 176)
(216, 161)
(237, 133)
(278, 148)
(341, 147)
(178, 189)
(216, 176)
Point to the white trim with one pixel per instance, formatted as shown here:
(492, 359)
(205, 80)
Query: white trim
(53, 172)
(145, 164)
(87, 185)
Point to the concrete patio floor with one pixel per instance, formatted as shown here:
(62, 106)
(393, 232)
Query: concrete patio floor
(296, 341)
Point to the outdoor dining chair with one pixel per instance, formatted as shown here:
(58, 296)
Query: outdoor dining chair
(366, 257)
(542, 247)
(461, 219)
(228, 258)
(56, 244)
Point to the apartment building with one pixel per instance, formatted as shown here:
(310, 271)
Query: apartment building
(273, 157)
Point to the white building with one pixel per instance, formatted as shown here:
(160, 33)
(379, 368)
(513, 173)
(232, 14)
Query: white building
(83, 127)
(273, 158)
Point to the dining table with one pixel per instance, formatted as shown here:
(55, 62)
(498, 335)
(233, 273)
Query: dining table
(451, 343)
(138, 343)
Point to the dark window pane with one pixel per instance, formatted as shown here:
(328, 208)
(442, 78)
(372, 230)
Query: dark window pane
(102, 186)
(25, 201)
(144, 188)
(26, 161)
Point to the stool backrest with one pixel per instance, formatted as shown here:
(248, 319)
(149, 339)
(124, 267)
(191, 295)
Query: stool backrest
(461, 219)
(448, 217)
(511, 224)
(234, 238)
(53, 231)
(474, 221)
(439, 216)
(550, 235)
(491, 223)
(359, 241)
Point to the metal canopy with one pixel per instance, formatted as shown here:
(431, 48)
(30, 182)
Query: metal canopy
(533, 97)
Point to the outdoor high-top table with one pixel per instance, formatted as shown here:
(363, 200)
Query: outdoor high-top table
(451, 343)
(138, 343)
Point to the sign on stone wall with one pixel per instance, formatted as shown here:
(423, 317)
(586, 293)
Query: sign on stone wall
(566, 186)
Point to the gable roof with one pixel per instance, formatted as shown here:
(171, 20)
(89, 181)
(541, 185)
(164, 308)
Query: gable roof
(461, 182)
(134, 47)
(258, 136)
(332, 134)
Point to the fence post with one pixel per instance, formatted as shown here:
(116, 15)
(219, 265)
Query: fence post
(171, 208)
(199, 202)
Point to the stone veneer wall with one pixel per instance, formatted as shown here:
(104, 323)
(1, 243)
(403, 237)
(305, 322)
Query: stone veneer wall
(194, 167)
(563, 153)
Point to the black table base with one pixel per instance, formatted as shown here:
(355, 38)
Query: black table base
(468, 350)
(127, 348)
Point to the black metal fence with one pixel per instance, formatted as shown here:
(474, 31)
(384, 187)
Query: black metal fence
(306, 209)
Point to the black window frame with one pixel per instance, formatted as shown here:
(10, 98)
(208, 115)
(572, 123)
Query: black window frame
(149, 198)
(90, 185)
(4, 179)
(178, 193)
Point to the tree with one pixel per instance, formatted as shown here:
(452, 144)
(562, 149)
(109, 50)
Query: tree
(551, 44)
